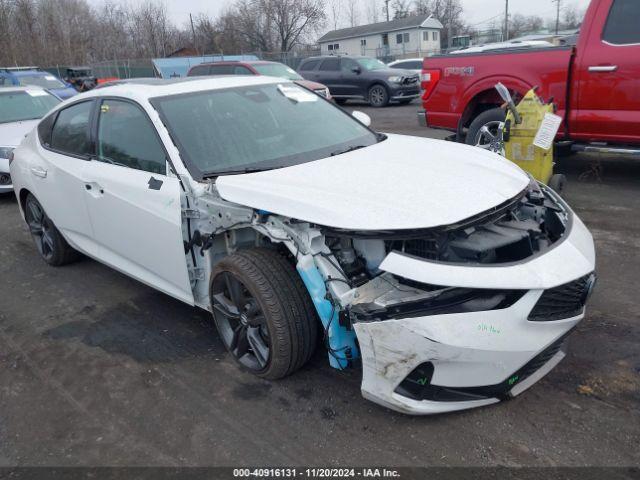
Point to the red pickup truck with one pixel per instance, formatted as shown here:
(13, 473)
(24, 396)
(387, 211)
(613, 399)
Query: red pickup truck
(595, 85)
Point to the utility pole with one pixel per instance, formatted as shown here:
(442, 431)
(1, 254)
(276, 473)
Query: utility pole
(506, 21)
(193, 33)
(557, 16)
(386, 8)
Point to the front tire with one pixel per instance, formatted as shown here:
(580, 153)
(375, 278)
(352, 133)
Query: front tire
(378, 96)
(263, 312)
(51, 245)
(489, 119)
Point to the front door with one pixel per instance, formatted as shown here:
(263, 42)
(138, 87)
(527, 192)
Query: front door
(608, 96)
(58, 173)
(133, 204)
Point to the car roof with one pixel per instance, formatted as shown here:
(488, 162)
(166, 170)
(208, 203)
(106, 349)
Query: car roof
(147, 88)
(237, 62)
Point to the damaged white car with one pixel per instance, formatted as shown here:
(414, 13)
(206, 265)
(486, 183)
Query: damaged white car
(443, 270)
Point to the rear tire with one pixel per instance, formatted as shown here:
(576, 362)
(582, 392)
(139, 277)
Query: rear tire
(378, 96)
(51, 245)
(490, 119)
(258, 294)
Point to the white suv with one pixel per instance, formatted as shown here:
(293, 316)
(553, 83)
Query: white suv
(444, 270)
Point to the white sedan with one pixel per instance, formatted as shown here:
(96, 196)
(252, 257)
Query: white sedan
(20, 110)
(444, 270)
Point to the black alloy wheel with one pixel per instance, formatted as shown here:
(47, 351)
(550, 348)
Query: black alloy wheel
(241, 323)
(41, 228)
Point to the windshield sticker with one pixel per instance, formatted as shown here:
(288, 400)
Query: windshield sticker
(37, 93)
(297, 94)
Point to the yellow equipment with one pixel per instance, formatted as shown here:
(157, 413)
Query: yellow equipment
(518, 141)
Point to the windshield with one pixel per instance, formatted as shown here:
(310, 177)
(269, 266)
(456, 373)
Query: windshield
(257, 128)
(277, 70)
(44, 81)
(371, 63)
(30, 105)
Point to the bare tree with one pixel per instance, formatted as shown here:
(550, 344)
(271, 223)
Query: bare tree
(401, 8)
(335, 13)
(353, 12)
(373, 10)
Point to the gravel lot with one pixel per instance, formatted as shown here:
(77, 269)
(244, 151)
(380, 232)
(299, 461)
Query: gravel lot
(97, 369)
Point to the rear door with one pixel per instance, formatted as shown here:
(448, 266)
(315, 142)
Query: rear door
(59, 170)
(608, 75)
(352, 83)
(329, 73)
(133, 204)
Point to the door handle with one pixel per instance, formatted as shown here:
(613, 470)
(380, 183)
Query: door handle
(603, 68)
(39, 172)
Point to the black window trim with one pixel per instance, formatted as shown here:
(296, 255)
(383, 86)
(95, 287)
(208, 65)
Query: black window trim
(604, 27)
(56, 114)
(94, 134)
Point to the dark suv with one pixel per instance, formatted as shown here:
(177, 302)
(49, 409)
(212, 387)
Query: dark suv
(362, 78)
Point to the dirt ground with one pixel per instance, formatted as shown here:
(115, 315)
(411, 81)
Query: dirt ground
(97, 369)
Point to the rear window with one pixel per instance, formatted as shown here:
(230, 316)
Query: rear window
(330, 64)
(70, 133)
(199, 71)
(222, 70)
(29, 105)
(310, 65)
(623, 24)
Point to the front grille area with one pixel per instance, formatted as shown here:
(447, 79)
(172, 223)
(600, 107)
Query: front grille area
(410, 80)
(5, 179)
(418, 247)
(564, 301)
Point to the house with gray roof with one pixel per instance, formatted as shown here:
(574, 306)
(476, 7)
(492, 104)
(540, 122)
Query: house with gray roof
(413, 35)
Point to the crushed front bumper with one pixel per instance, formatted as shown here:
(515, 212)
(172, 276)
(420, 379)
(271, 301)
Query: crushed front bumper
(482, 352)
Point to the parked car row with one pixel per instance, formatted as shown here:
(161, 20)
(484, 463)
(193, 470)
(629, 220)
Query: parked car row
(338, 77)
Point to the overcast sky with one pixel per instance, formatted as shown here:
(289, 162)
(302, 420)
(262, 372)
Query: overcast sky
(476, 11)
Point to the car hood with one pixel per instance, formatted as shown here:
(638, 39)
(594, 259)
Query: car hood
(11, 134)
(400, 183)
(310, 85)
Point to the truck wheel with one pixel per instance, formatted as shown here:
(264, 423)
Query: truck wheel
(558, 182)
(263, 312)
(52, 246)
(491, 120)
(378, 96)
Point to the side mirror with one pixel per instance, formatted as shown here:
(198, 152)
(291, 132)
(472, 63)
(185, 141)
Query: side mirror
(356, 70)
(506, 97)
(362, 117)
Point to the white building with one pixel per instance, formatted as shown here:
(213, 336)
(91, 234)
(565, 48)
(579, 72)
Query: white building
(415, 35)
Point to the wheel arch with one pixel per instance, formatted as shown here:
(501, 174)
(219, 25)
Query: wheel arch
(483, 96)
